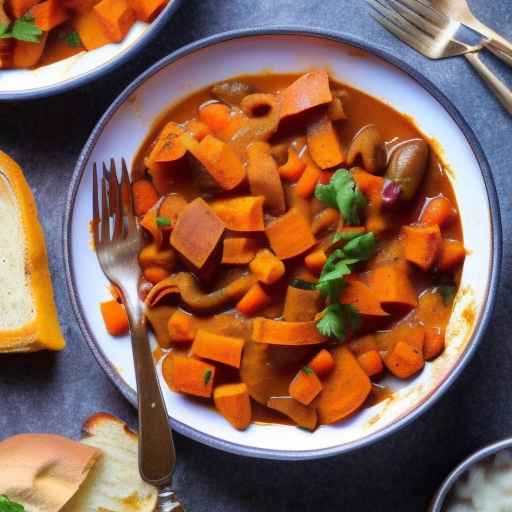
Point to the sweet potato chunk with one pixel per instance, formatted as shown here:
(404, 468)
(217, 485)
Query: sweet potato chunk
(392, 285)
(116, 16)
(303, 416)
(240, 213)
(323, 143)
(197, 232)
(278, 332)
(188, 375)
(422, 245)
(404, 360)
(239, 250)
(224, 349)
(233, 402)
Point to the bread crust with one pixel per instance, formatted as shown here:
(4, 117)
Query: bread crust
(44, 331)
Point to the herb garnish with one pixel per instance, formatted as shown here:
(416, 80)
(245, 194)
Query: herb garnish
(337, 319)
(447, 292)
(307, 370)
(207, 377)
(6, 505)
(163, 222)
(72, 38)
(23, 29)
(343, 193)
(303, 285)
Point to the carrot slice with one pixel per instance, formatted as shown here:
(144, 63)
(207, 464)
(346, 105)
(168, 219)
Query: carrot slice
(422, 245)
(451, 254)
(91, 31)
(239, 250)
(155, 274)
(308, 91)
(434, 343)
(254, 300)
(290, 235)
(233, 402)
(220, 120)
(371, 363)
(293, 168)
(344, 390)
(362, 297)
(307, 182)
(315, 261)
(149, 222)
(404, 360)
(266, 267)
(371, 186)
(117, 18)
(27, 54)
(188, 375)
(301, 305)
(278, 332)
(171, 208)
(241, 213)
(168, 146)
(323, 363)
(305, 386)
(48, 15)
(224, 349)
(323, 143)
(439, 210)
(182, 327)
(392, 285)
(144, 196)
(115, 318)
(198, 129)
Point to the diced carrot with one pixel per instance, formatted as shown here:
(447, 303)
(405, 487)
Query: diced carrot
(344, 390)
(221, 161)
(266, 267)
(371, 186)
(167, 146)
(254, 300)
(371, 363)
(305, 386)
(197, 232)
(315, 261)
(307, 182)
(147, 10)
(115, 318)
(240, 213)
(263, 177)
(18, 8)
(155, 274)
(198, 129)
(188, 375)
(26, 54)
(171, 208)
(422, 245)
(363, 344)
(224, 349)
(325, 220)
(278, 332)
(322, 363)
(439, 210)
(116, 16)
(152, 256)
(404, 360)
(303, 416)
(239, 250)
(233, 402)
(323, 143)
(144, 196)
(301, 305)
(220, 120)
(434, 343)
(391, 285)
(361, 297)
(182, 327)
(290, 234)
(308, 91)
(48, 15)
(149, 222)
(452, 253)
(91, 31)
(292, 170)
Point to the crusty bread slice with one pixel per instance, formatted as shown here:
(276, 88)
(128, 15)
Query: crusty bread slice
(28, 319)
(43, 471)
(114, 484)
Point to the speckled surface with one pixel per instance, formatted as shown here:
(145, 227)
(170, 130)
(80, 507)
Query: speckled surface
(56, 392)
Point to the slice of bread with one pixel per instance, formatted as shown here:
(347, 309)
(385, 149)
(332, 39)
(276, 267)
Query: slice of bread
(114, 484)
(29, 317)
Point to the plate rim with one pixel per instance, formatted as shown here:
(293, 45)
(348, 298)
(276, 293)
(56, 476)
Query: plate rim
(74, 83)
(495, 220)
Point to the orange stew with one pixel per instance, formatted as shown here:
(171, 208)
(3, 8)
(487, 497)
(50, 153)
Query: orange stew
(35, 33)
(303, 241)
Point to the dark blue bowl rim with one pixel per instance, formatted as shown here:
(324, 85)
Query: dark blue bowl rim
(74, 83)
(495, 228)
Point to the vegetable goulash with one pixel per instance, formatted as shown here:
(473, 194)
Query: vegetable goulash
(303, 242)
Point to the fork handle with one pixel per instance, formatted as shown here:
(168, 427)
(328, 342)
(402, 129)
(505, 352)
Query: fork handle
(500, 50)
(157, 457)
(501, 91)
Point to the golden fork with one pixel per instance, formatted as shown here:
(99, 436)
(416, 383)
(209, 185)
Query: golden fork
(118, 239)
(431, 33)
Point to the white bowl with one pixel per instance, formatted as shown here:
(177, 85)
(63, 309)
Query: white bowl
(124, 126)
(79, 69)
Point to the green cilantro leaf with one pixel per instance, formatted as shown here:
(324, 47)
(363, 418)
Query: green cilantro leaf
(337, 319)
(303, 285)
(23, 29)
(361, 247)
(330, 283)
(307, 370)
(342, 193)
(344, 236)
(6, 505)
(207, 376)
(447, 293)
(72, 38)
(3, 28)
(163, 222)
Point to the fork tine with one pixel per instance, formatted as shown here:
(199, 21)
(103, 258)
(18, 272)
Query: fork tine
(95, 210)
(127, 197)
(395, 24)
(105, 214)
(106, 177)
(409, 13)
(115, 203)
(425, 9)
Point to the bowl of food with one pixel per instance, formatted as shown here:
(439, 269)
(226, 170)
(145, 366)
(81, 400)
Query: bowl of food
(316, 273)
(51, 46)
(483, 481)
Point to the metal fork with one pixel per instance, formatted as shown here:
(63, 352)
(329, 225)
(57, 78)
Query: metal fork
(431, 33)
(118, 240)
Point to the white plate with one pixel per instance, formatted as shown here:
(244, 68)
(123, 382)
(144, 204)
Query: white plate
(126, 123)
(77, 70)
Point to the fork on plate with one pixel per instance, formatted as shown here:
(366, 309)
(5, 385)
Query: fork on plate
(118, 240)
(432, 33)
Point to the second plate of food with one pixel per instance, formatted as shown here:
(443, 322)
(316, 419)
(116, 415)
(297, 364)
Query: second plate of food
(323, 241)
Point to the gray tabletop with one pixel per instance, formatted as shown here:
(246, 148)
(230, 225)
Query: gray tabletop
(56, 392)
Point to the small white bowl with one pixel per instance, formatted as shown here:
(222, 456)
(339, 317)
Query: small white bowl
(79, 69)
(126, 123)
